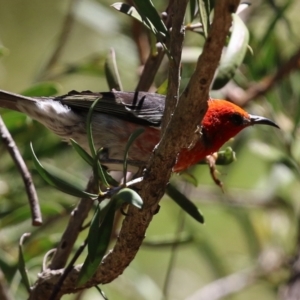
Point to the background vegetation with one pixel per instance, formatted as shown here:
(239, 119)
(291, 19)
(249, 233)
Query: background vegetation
(247, 245)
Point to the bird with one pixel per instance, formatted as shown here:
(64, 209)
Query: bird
(118, 114)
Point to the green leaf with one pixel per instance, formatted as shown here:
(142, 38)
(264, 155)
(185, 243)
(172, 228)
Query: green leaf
(60, 182)
(226, 157)
(101, 292)
(234, 54)
(131, 139)
(163, 88)
(101, 229)
(278, 16)
(112, 72)
(98, 171)
(193, 9)
(124, 195)
(90, 265)
(190, 178)
(43, 89)
(129, 196)
(93, 236)
(87, 158)
(89, 128)
(146, 14)
(130, 11)
(147, 10)
(21, 213)
(204, 11)
(21, 263)
(184, 203)
(83, 154)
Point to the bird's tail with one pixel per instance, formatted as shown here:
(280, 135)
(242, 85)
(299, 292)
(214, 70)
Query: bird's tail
(12, 101)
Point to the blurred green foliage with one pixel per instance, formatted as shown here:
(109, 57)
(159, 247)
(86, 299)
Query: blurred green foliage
(252, 226)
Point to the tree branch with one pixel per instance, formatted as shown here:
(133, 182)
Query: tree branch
(154, 61)
(61, 42)
(73, 229)
(5, 293)
(269, 262)
(179, 133)
(12, 149)
(260, 88)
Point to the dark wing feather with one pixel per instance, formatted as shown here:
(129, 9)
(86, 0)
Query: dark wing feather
(139, 107)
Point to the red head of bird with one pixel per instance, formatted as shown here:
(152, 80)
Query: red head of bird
(222, 121)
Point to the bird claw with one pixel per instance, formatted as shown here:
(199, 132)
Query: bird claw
(211, 161)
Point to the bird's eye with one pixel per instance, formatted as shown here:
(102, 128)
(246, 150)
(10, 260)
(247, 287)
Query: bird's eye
(237, 119)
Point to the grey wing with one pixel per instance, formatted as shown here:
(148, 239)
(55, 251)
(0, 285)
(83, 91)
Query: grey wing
(137, 107)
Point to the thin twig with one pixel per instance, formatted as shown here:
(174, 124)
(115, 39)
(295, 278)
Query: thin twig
(62, 40)
(269, 263)
(67, 270)
(75, 226)
(46, 258)
(5, 293)
(78, 215)
(260, 88)
(292, 289)
(139, 35)
(225, 286)
(176, 44)
(181, 219)
(12, 149)
(154, 61)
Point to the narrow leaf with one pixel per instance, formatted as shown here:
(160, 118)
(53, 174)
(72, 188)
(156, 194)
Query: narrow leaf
(131, 139)
(87, 158)
(96, 165)
(193, 7)
(59, 182)
(130, 11)
(190, 178)
(93, 237)
(90, 265)
(101, 232)
(89, 128)
(148, 12)
(234, 54)
(21, 263)
(83, 154)
(151, 20)
(98, 170)
(162, 89)
(242, 7)
(112, 72)
(101, 292)
(204, 15)
(129, 196)
(184, 203)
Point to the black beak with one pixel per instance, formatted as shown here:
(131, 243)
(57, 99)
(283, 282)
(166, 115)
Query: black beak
(261, 120)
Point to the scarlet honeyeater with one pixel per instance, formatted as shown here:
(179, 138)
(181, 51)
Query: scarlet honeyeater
(118, 114)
